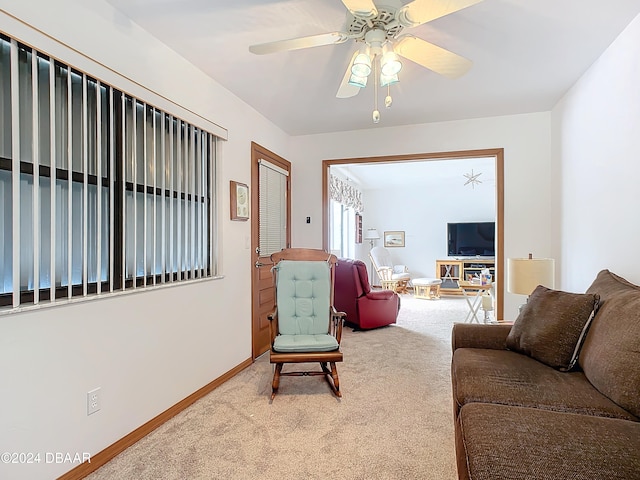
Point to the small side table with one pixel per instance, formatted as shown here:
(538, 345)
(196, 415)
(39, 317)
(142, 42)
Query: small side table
(427, 288)
(473, 295)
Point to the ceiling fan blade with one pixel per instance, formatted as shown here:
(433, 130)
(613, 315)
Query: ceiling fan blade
(361, 8)
(432, 57)
(422, 11)
(345, 90)
(298, 43)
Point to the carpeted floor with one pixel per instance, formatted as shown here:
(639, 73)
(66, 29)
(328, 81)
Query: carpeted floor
(394, 420)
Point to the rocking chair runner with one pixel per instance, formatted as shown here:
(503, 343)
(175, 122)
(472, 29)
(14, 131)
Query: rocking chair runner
(305, 326)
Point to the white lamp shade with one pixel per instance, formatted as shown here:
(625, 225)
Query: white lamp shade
(372, 234)
(525, 274)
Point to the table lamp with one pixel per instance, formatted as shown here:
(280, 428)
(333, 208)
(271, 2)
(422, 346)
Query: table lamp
(525, 274)
(371, 235)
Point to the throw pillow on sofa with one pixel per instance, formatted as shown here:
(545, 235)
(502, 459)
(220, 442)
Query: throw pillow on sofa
(551, 325)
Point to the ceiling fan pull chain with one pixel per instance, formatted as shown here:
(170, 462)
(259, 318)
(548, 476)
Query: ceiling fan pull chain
(376, 112)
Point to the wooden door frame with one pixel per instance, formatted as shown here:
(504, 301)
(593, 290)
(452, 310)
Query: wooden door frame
(496, 153)
(258, 152)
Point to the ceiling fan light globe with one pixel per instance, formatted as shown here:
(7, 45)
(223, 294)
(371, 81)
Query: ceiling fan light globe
(388, 80)
(391, 68)
(361, 65)
(357, 81)
(361, 70)
(390, 64)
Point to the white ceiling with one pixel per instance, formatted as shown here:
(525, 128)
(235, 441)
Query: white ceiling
(526, 54)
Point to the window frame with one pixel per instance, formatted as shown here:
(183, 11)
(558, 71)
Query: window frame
(196, 198)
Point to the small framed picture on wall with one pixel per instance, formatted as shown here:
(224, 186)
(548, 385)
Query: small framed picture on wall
(239, 201)
(394, 239)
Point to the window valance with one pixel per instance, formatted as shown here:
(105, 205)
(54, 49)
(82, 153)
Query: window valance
(345, 193)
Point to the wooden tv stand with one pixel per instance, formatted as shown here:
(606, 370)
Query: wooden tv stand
(454, 269)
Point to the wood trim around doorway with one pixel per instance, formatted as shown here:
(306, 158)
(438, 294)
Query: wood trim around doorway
(497, 153)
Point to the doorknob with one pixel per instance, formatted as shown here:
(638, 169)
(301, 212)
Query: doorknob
(258, 264)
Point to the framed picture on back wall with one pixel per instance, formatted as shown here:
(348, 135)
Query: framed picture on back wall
(394, 239)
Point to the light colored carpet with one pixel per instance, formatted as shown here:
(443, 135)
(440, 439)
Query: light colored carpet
(394, 420)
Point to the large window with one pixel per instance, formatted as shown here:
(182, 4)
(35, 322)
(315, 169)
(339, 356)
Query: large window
(343, 229)
(99, 191)
(346, 202)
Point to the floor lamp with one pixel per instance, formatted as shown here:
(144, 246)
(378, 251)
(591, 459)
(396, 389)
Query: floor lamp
(525, 274)
(372, 235)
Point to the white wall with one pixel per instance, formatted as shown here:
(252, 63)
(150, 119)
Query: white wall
(596, 130)
(527, 155)
(145, 350)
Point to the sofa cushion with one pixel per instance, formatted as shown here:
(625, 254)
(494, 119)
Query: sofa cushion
(510, 378)
(610, 356)
(497, 442)
(551, 325)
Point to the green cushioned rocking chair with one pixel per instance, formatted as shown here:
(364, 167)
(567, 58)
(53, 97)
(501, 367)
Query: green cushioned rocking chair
(305, 326)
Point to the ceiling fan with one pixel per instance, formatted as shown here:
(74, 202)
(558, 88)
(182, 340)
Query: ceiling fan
(378, 26)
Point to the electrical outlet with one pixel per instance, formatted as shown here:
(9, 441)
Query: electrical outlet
(93, 401)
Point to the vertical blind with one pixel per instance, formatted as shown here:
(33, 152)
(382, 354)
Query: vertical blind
(99, 191)
(273, 208)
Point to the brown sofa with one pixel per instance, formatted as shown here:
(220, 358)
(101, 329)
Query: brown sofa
(556, 395)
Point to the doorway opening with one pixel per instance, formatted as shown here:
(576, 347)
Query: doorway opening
(409, 214)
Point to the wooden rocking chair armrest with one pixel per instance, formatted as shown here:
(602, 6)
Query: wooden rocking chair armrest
(273, 324)
(336, 315)
(337, 321)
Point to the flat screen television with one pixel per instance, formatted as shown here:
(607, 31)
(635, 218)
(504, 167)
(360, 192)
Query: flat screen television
(471, 239)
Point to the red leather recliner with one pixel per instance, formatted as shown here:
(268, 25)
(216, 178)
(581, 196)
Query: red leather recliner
(365, 309)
